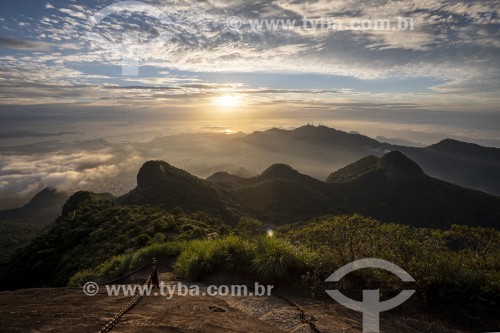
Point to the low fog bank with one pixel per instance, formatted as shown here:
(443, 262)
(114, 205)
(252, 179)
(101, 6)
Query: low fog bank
(101, 166)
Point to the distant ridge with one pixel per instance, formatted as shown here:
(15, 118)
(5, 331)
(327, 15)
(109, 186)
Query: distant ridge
(392, 188)
(317, 135)
(396, 167)
(223, 177)
(399, 142)
(18, 226)
(42, 209)
(159, 183)
(354, 170)
(399, 167)
(465, 164)
(465, 150)
(279, 170)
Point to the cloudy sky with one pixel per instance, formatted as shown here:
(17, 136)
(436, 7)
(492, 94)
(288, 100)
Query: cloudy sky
(130, 71)
(208, 62)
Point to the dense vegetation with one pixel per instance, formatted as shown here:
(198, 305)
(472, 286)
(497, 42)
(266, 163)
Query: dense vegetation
(458, 265)
(19, 226)
(92, 230)
(14, 235)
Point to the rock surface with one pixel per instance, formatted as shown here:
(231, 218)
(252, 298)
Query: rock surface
(65, 310)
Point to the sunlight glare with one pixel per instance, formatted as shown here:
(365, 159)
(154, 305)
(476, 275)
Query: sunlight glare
(228, 101)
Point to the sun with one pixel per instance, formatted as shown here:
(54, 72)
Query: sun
(228, 101)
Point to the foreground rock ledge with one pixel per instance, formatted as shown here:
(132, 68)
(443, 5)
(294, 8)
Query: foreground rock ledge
(69, 310)
(65, 310)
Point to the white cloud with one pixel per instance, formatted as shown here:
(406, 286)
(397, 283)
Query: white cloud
(454, 41)
(21, 175)
(73, 13)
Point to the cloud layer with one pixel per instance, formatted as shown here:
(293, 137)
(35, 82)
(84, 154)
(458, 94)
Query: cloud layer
(60, 67)
(457, 42)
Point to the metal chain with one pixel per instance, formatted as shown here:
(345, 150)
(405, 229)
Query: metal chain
(152, 279)
(128, 274)
(109, 326)
(306, 319)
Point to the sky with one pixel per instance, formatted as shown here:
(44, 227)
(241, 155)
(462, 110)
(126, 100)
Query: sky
(434, 73)
(129, 72)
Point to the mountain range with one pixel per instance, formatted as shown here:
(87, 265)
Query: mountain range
(420, 193)
(417, 186)
(174, 213)
(20, 225)
(392, 188)
(42, 209)
(465, 164)
(170, 203)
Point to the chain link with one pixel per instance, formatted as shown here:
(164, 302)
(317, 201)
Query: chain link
(128, 274)
(306, 319)
(151, 279)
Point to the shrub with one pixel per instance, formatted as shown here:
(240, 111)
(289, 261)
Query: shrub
(158, 251)
(121, 264)
(276, 260)
(196, 259)
(80, 278)
(201, 257)
(460, 265)
(249, 228)
(237, 254)
(452, 279)
(142, 239)
(116, 266)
